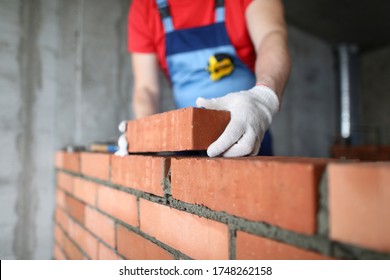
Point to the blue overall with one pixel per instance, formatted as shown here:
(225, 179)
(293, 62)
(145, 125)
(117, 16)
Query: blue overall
(187, 54)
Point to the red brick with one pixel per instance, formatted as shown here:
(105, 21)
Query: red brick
(68, 161)
(100, 225)
(118, 204)
(65, 181)
(279, 191)
(72, 251)
(363, 153)
(144, 173)
(84, 239)
(134, 247)
(75, 208)
(178, 130)
(385, 150)
(85, 190)
(359, 204)
(59, 236)
(251, 247)
(60, 198)
(62, 219)
(106, 253)
(96, 165)
(58, 254)
(196, 237)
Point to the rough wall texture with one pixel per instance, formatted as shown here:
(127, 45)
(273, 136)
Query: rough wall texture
(376, 96)
(10, 126)
(93, 69)
(28, 46)
(307, 122)
(53, 90)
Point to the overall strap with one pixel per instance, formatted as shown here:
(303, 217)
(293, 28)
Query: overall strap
(165, 15)
(219, 10)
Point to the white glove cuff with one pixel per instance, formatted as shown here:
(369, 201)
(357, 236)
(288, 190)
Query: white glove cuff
(267, 97)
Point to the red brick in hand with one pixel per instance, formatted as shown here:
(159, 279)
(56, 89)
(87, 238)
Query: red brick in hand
(178, 130)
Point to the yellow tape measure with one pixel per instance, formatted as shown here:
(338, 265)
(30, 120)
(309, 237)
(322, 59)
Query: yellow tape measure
(220, 65)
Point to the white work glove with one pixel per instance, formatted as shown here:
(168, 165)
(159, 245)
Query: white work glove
(122, 141)
(251, 113)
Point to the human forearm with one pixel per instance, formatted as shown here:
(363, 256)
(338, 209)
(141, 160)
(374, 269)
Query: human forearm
(145, 102)
(146, 90)
(273, 62)
(268, 31)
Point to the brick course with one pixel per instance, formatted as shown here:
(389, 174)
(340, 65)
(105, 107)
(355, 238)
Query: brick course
(165, 206)
(96, 165)
(197, 237)
(144, 173)
(253, 188)
(135, 247)
(251, 247)
(118, 204)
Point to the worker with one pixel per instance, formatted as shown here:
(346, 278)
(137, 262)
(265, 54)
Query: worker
(224, 55)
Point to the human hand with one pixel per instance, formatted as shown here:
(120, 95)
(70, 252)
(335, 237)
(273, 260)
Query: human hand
(122, 141)
(251, 113)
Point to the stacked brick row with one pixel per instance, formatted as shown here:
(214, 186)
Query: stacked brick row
(361, 152)
(188, 207)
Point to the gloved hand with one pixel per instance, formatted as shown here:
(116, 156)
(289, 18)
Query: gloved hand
(122, 142)
(251, 113)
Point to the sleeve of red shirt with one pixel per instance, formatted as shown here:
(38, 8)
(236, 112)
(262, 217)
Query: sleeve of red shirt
(139, 33)
(247, 2)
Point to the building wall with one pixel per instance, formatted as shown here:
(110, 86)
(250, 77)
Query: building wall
(10, 126)
(375, 69)
(307, 122)
(63, 80)
(154, 207)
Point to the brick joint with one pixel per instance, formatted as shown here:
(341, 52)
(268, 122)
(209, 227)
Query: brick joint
(183, 206)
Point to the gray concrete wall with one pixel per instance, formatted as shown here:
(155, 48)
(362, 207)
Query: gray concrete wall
(375, 72)
(93, 70)
(10, 108)
(65, 78)
(307, 122)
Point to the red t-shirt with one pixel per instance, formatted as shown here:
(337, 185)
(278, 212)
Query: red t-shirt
(146, 33)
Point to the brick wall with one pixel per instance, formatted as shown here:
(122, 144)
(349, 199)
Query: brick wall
(361, 152)
(188, 207)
